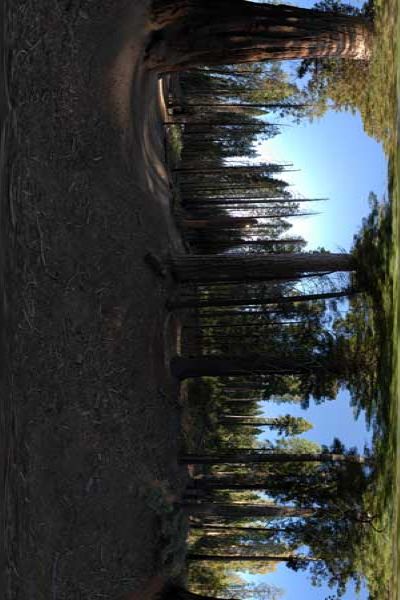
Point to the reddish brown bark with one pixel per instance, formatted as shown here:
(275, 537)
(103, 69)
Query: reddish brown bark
(218, 267)
(212, 32)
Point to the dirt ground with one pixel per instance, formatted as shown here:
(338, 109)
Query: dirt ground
(89, 412)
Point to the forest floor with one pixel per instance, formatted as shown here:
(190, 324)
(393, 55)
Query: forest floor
(90, 415)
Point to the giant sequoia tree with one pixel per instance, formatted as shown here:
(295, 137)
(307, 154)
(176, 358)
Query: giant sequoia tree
(218, 267)
(210, 32)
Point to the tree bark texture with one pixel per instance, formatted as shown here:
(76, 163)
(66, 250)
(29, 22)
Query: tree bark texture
(218, 222)
(256, 300)
(211, 32)
(245, 557)
(209, 268)
(242, 511)
(217, 366)
(251, 457)
(216, 530)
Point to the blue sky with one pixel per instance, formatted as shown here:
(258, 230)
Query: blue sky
(339, 161)
(333, 418)
(297, 585)
(336, 160)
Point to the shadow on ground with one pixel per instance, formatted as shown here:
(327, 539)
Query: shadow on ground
(89, 408)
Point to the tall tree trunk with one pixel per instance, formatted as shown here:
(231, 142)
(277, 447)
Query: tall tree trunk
(217, 366)
(218, 222)
(218, 267)
(241, 484)
(264, 186)
(206, 221)
(255, 300)
(213, 202)
(239, 242)
(207, 167)
(244, 456)
(247, 420)
(242, 399)
(211, 32)
(233, 486)
(242, 511)
(248, 557)
(244, 104)
(210, 529)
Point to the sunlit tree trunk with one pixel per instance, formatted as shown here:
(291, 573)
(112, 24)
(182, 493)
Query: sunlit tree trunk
(211, 32)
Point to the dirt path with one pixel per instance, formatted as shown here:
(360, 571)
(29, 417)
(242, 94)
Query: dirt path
(90, 405)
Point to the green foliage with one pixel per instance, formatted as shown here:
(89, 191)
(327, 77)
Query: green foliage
(376, 247)
(352, 347)
(367, 87)
(290, 426)
(368, 324)
(224, 581)
(371, 249)
(271, 83)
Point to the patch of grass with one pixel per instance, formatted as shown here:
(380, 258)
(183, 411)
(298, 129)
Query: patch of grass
(380, 556)
(380, 109)
(380, 549)
(379, 562)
